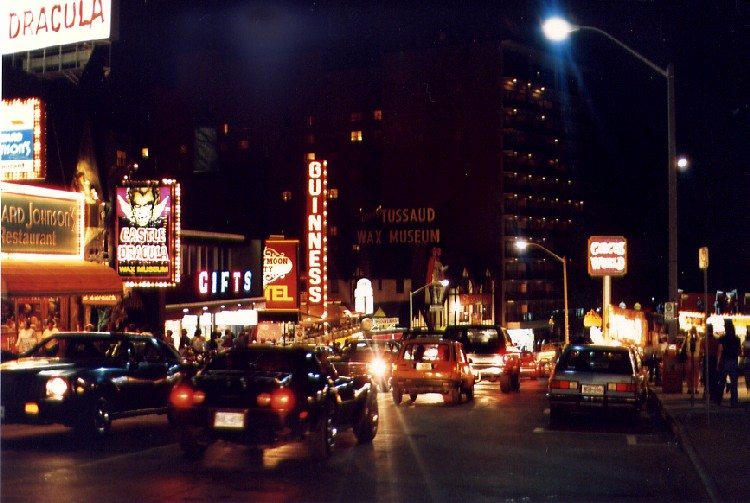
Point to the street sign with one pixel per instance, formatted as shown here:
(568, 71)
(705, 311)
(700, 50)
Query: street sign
(703, 257)
(607, 256)
(669, 311)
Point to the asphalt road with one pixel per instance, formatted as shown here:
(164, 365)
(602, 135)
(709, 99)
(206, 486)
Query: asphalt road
(496, 448)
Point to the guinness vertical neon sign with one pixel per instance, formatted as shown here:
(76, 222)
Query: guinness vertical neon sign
(316, 229)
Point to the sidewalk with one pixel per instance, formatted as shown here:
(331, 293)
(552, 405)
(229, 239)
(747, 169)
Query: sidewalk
(718, 444)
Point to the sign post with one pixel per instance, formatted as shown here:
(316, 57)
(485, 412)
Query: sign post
(703, 264)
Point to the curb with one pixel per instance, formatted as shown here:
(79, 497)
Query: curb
(708, 483)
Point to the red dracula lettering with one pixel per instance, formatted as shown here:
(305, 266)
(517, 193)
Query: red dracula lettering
(143, 235)
(66, 15)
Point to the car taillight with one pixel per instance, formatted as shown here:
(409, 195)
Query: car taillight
(561, 384)
(621, 386)
(280, 399)
(185, 396)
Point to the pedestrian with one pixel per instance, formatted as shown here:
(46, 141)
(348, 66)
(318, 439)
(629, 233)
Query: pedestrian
(26, 338)
(199, 342)
(184, 339)
(228, 341)
(709, 366)
(727, 355)
(213, 342)
(169, 338)
(50, 329)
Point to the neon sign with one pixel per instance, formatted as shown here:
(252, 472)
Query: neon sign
(223, 282)
(607, 255)
(316, 229)
(280, 275)
(22, 139)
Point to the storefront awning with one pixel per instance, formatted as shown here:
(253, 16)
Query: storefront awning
(58, 278)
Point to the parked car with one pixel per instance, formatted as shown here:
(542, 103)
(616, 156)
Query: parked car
(528, 364)
(367, 357)
(492, 353)
(432, 365)
(266, 396)
(591, 376)
(87, 379)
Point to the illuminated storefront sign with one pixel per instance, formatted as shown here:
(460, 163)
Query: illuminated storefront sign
(280, 276)
(22, 140)
(224, 282)
(39, 222)
(316, 231)
(398, 226)
(607, 256)
(35, 24)
(148, 230)
(103, 299)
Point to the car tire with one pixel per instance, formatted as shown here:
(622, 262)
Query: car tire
(505, 384)
(96, 421)
(470, 393)
(367, 425)
(322, 438)
(455, 395)
(191, 444)
(397, 394)
(515, 381)
(413, 397)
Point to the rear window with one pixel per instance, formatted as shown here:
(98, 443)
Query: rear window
(596, 360)
(83, 348)
(427, 352)
(261, 361)
(480, 340)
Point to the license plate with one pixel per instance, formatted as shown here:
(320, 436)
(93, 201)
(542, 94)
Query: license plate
(229, 420)
(424, 366)
(592, 389)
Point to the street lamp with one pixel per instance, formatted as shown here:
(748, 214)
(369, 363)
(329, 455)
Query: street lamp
(557, 29)
(522, 245)
(443, 282)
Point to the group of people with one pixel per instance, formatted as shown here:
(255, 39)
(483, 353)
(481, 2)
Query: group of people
(720, 360)
(28, 334)
(216, 343)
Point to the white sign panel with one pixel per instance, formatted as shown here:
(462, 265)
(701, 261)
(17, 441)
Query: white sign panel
(27, 25)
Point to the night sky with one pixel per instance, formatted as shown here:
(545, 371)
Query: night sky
(708, 43)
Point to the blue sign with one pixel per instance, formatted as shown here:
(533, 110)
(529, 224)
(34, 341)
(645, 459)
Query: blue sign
(17, 145)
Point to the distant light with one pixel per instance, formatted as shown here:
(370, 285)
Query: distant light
(521, 244)
(682, 163)
(557, 29)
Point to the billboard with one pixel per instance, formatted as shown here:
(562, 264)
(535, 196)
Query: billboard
(148, 233)
(38, 222)
(22, 139)
(607, 256)
(28, 25)
(316, 233)
(281, 275)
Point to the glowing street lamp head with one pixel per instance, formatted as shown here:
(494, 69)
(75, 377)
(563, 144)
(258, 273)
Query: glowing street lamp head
(557, 29)
(521, 245)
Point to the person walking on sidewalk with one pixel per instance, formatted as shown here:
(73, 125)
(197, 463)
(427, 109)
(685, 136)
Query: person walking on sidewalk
(709, 370)
(746, 355)
(727, 355)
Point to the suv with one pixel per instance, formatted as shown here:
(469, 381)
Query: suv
(432, 365)
(491, 352)
(87, 379)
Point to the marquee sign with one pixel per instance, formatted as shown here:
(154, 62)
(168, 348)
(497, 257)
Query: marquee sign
(27, 25)
(22, 139)
(224, 282)
(607, 256)
(148, 233)
(316, 232)
(280, 275)
(38, 222)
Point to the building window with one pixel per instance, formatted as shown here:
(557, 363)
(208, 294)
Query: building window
(356, 117)
(286, 196)
(333, 193)
(377, 115)
(356, 136)
(121, 159)
(310, 156)
(226, 128)
(144, 152)
(333, 231)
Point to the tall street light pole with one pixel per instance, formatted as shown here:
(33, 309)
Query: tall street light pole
(557, 29)
(443, 283)
(522, 245)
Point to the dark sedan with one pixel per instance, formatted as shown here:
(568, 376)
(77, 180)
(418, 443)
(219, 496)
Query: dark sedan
(367, 357)
(85, 380)
(266, 396)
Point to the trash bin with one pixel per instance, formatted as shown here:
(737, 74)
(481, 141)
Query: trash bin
(672, 372)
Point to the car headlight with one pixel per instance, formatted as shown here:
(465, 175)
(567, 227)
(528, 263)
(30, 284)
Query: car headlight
(377, 367)
(55, 388)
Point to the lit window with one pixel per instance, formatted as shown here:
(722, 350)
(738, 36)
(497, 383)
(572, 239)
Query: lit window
(310, 156)
(226, 128)
(144, 152)
(377, 115)
(333, 193)
(356, 136)
(122, 159)
(310, 120)
(356, 117)
(286, 196)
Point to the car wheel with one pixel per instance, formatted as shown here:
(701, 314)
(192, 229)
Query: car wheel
(470, 393)
(413, 397)
(505, 385)
(397, 394)
(96, 421)
(453, 397)
(322, 438)
(191, 444)
(367, 425)
(516, 381)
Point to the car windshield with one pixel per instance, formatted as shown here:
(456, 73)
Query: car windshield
(427, 352)
(596, 360)
(78, 348)
(257, 360)
(483, 341)
(365, 351)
